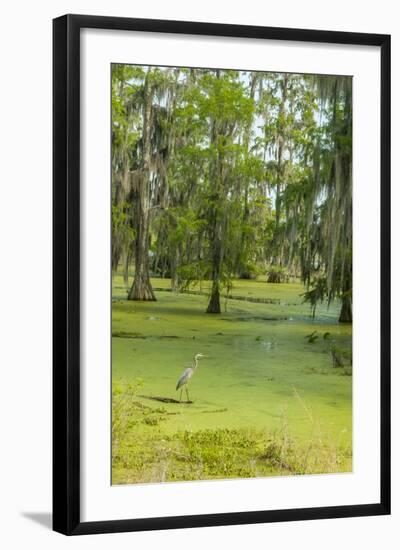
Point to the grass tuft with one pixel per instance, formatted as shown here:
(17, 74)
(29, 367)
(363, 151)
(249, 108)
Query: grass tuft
(140, 455)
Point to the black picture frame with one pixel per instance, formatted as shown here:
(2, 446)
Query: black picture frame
(66, 273)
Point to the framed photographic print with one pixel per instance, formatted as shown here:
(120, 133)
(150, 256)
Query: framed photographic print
(221, 274)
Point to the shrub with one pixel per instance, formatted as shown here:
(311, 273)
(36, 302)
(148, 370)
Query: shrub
(277, 274)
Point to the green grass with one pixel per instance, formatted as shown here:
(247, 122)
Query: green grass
(259, 376)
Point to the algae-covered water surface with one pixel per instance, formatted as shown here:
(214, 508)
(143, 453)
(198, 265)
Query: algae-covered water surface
(273, 396)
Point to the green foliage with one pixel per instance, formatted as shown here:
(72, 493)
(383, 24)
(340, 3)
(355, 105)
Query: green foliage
(277, 274)
(245, 170)
(122, 403)
(221, 453)
(316, 293)
(311, 338)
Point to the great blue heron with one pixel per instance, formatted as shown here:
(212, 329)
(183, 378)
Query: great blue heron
(187, 375)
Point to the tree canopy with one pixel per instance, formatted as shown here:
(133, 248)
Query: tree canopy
(218, 174)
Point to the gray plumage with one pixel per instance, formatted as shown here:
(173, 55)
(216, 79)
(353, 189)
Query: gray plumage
(187, 375)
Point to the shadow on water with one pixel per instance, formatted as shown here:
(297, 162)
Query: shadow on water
(165, 399)
(45, 519)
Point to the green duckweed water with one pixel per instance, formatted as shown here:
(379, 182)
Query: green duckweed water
(264, 396)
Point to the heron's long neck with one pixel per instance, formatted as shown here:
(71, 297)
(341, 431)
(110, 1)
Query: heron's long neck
(195, 362)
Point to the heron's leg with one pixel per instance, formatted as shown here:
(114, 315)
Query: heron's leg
(187, 393)
(180, 396)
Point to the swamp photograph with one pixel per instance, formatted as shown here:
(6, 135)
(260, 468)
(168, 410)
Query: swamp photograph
(231, 251)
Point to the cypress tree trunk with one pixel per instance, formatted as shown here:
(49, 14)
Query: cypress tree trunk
(141, 287)
(115, 256)
(216, 236)
(126, 267)
(280, 150)
(346, 314)
(214, 305)
(242, 270)
(175, 263)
